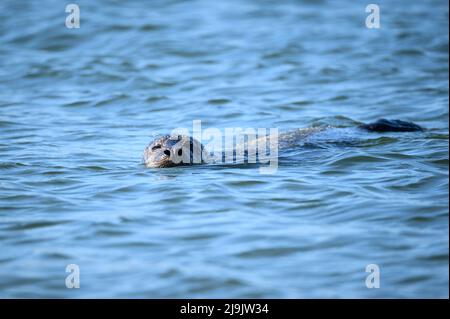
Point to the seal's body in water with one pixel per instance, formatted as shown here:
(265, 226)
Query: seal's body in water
(169, 151)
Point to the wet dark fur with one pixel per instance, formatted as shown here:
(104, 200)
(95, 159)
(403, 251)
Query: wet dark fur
(160, 152)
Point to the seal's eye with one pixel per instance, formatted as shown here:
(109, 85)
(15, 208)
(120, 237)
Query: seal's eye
(156, 147)
(180, 152)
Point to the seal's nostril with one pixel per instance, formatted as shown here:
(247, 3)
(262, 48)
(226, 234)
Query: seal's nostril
(167, 152)
(180, 152)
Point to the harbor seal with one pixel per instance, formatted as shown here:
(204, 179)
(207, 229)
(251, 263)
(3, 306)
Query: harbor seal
(169, 151)
(182, 150)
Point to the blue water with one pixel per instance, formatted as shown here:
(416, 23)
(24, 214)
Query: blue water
(78, 107)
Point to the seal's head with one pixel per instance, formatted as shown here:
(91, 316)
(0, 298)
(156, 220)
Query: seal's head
(168, 151)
